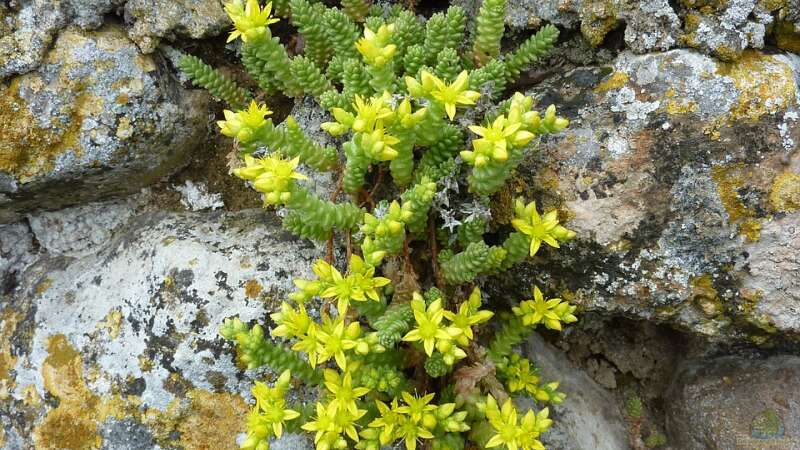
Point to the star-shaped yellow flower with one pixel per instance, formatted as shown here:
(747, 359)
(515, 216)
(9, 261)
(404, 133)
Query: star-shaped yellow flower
(429, 328)
(453, 94)
(244, 124)
(539, 229)
(250, 20)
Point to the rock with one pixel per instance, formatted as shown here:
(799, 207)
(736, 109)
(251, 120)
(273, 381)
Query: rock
(80, 230)
(97, 116)
(588, 419)
(17, 252)
(195, 196)
(736, 402)
(133, 330)
(153, 20)
(28, 29)
(33, 26)
(679, 174)
(722, 29)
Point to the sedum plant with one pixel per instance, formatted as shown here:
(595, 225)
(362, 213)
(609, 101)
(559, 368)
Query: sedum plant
(397, 340)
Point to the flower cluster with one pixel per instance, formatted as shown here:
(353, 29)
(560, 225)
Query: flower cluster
(396, 342)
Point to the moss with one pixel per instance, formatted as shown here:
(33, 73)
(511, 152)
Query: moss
(726, 53)
(765, 85)
(655, 439)
(615, 81)
(729, 179)
(767, 425)
(785, 193)
(597, 19)
(773, 5)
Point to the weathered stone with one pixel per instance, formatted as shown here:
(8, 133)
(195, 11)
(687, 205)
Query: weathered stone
(132, 330)
(153, 20)
(33, 26)
(29, 28)
(97, 116)
(666, 173)
(723, 29)
(735, 402)
(80, 230)
(588, 419)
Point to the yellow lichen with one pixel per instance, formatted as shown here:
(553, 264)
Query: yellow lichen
(615, 81)
(212, 421)
(28, 147)
(43, 286)
(73, 424)
(765, 84)
(202, 421)
(112, 322)
(252, 289)
(785, 193)
(729, 179)
(705, 296)
(8, 323)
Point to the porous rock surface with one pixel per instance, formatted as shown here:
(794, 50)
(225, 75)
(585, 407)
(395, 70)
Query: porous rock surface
(97, 116)
(678, 173)
(29, 27)
(588, 418)
(736, 402)
(132, 327)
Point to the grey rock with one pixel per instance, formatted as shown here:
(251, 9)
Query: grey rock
(17, 252)
(141, 315)
(195, 196)
(736, 402)
(28, 28)
(79, 230)
(97, 116)
(722, 29)
(34, 24)
(666, 173)
(292, 442)
(153, 20)
(589, 418)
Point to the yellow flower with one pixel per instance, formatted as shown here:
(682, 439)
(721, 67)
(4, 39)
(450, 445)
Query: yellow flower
(344, 394)
(331, 422)
(493, 142)
(371, 114)
(375, 46)
(539, 229)
(452, 94)
(550, 312)
(388, 419)
(249, 21)
(244, 125)
(468, 315)
(429, 328)
(272, 175)
(270, 413)
(334, 338)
